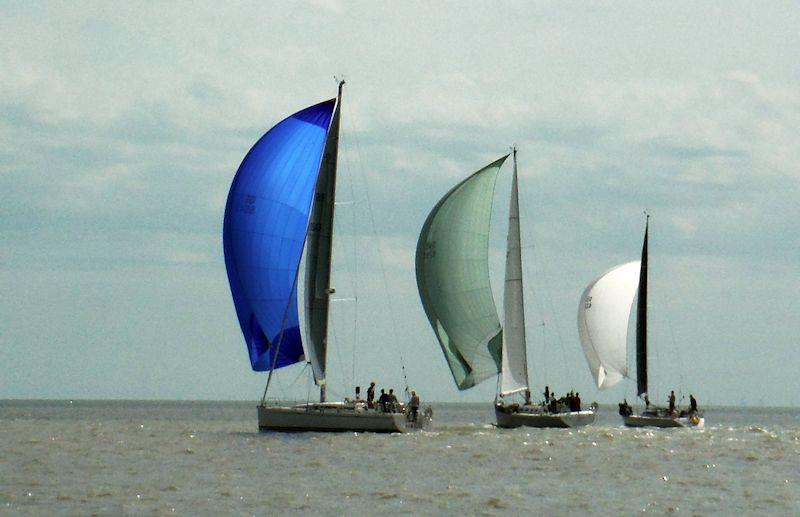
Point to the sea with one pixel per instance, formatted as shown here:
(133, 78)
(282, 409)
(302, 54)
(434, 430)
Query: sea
(207, 458)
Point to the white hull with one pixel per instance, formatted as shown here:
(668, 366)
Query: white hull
(663, 421)
(336, 418)
(508, 417)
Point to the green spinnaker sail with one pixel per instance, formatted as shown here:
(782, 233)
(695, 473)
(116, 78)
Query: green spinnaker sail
(452, 266)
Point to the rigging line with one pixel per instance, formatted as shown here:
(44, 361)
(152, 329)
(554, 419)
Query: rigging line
(280, 336)
(539, 307)
(675, 352)
(548, 301)
(345, 147)
(380, 251)
(335, 345)
(547, 297)
(336, 394)
(302, 371)
(335, 342)
(350, 182)
(544, 352)
(533, 293)
(355, 264)
(308, 389)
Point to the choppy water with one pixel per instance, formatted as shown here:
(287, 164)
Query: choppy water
(205, 458)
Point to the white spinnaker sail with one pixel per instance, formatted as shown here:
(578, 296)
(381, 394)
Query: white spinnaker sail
(603, 315)
(514, 374)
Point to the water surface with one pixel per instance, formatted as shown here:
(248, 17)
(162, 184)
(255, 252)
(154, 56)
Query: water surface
(206, 458)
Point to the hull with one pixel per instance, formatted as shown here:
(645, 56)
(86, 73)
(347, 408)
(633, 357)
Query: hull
(335, 418)
(663, 421)
(510, 418)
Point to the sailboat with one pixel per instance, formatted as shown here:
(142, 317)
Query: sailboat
(452, 267)
(603, 316)
(280, 202)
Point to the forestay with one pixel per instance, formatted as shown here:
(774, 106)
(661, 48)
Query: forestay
(266, 218)
(452, 267)
(603, 316)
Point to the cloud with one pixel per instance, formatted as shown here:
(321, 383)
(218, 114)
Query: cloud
(120, 130)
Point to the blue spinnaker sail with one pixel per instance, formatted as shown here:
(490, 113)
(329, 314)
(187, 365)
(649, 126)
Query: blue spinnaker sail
(266, 219)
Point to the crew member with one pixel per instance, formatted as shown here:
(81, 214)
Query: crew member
(392, 400)
(371, 395)
(414, 404)
(383, 400)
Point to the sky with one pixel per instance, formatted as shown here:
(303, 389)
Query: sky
(122, 125)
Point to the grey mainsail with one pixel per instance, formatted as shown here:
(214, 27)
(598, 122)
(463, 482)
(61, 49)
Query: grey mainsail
(319, 250)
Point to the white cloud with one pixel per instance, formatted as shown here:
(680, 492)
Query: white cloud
(121, 129)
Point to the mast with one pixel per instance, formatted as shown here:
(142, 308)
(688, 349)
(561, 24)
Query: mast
(319, 249)
(514, 373)
(641, 319)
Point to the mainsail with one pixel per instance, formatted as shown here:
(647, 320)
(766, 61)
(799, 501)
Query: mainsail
(319, 249)
(514, 375)
(452, 266)
(603, 315)
(641, 320)
(266, 219)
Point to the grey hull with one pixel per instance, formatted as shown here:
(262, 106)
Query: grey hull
(330, 419)
(510, 419)
(662, 421)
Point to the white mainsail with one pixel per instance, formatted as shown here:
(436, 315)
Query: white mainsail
(603, 316)
(514, 373)
(319, 253)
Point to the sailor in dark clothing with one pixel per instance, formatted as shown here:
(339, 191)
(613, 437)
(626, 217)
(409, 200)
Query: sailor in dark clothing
(625, 408)
(392, 401)
(577, 401)
(414, 405)
(547, 394)
(383, 400)
(692, 404)
(371, 395)
(672, 402)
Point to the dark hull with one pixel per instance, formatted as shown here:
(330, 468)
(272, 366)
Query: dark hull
(510, 418)
(663, 421)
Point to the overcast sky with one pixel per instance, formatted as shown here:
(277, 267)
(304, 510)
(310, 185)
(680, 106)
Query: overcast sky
(122, 125)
